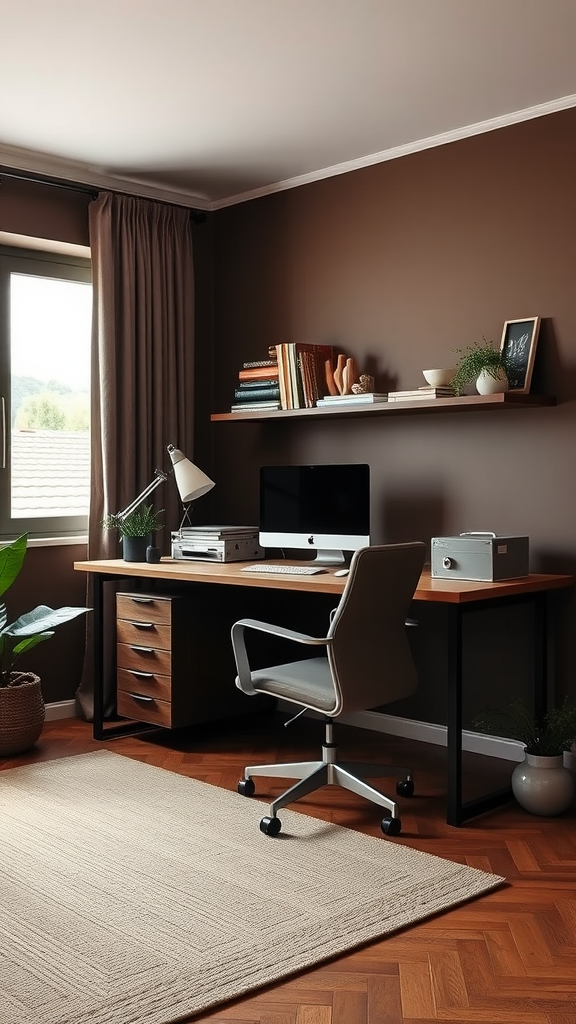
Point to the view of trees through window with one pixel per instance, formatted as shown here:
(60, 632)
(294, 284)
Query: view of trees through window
(50, 324)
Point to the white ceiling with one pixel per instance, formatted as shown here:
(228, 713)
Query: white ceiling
(210, 102)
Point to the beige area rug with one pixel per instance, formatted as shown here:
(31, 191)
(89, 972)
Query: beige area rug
(132, 895)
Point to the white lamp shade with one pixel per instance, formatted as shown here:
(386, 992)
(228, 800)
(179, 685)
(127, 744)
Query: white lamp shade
(190, 481)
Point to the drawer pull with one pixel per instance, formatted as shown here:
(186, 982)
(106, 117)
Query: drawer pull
(142, 600)
(143, 700)
(142, 625)
(140, 675)
(142, 650)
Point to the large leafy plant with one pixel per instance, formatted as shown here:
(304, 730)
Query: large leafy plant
(31, 629)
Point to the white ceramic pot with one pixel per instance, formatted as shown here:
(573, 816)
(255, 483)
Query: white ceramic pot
(486, 384)
(542, 785)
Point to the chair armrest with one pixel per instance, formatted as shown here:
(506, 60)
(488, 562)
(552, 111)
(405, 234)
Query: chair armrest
(244, 680)
(287, 634)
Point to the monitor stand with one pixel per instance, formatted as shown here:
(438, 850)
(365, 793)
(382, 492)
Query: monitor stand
(330, 557)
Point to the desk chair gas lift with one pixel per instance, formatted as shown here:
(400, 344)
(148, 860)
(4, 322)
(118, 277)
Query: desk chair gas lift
(364, 662)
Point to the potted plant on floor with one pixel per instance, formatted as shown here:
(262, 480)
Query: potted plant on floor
(482, 365)
(21, 702)
(136, 530)
(540, 783)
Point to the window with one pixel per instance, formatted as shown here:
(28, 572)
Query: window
(45, 330)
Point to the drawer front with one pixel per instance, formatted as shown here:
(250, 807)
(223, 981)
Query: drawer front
(142, 658)
(144, 634)
(149, 684)
(155, 712)
(144, 608)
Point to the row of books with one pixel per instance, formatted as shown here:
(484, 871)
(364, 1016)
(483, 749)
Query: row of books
(257, 386)
(295, 379)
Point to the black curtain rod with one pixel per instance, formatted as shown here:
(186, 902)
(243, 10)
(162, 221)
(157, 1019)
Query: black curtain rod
(198, 216)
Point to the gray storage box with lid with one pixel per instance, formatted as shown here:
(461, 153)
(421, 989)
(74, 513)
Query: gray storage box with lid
(484, 557)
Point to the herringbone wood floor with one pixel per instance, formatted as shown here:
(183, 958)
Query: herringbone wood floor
(508, 958)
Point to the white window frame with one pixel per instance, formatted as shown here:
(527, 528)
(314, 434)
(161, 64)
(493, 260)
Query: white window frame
(43, 264)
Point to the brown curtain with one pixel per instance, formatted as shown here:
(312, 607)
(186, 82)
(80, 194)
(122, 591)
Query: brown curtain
(142, 369)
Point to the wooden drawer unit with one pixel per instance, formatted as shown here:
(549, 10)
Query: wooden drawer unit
(154, 657)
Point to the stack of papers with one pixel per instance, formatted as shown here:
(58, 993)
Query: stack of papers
(361, 399)
(423, 393)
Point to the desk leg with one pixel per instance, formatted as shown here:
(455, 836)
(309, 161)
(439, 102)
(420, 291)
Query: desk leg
(454, 715)
(457, 811)
(98, 640)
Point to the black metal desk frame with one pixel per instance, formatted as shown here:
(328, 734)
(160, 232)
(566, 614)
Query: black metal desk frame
(457, 810)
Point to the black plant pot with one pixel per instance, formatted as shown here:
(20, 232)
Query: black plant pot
(134, 548)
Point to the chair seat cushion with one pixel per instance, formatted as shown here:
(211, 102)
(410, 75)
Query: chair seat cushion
(305, 682)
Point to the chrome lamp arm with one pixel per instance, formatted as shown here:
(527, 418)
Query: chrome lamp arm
(159, 477)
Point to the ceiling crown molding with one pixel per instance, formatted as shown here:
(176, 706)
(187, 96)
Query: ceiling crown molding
(59, 169)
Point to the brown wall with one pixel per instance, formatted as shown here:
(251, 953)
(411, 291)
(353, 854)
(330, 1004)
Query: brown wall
(399, 264)
(42, 211)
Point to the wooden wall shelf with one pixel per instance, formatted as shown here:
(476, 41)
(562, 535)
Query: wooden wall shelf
(469, 403)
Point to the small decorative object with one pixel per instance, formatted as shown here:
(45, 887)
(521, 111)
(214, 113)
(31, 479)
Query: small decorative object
(136, 530)
(439, 378)
(518, 347)
(540, 783)
(365, 385)
(476, 364)
(21, 703)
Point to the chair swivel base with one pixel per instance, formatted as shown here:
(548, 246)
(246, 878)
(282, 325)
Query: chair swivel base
(312, 775)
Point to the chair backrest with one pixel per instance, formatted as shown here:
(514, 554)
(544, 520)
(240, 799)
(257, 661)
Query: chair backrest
(370, 657)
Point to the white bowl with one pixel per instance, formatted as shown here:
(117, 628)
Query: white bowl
(439, 378)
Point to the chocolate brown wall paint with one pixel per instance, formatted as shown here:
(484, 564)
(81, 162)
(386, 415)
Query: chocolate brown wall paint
(42, 211)
(399, 264)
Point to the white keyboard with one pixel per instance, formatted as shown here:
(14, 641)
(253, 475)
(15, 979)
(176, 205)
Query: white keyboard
(283, 570)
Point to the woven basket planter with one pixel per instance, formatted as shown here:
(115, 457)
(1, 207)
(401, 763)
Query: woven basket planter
(22, 713)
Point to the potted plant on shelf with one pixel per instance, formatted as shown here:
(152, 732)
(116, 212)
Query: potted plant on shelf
(540, 783)
(482, 365)
(21, 703)
(136, 530)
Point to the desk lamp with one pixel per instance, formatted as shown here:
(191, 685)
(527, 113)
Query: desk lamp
(190, 481)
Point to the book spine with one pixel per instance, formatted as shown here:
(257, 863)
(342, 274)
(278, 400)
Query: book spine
(283, 377)
(257, 363)
(257, 385)
(243, 407)
(259, 373)
(257, 394)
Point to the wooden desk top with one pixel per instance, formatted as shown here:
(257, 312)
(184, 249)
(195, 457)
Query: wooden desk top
(443, 591)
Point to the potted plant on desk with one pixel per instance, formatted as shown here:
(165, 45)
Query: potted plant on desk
(136, 531)
(21, 702)
(482, 365)
(540, 783)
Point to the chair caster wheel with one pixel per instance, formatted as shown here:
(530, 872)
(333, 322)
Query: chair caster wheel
(405, 787)
(391, 826)
(246, 787)
(270, 826)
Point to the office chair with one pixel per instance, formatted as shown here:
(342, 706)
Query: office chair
(365, 662)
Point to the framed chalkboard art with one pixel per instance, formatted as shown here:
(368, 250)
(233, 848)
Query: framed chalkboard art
(518, 347)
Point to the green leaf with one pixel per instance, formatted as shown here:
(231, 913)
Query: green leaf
(41, 619)
(11, 559)
(29, 643)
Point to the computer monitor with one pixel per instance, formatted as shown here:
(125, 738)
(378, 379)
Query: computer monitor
(325, 508)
